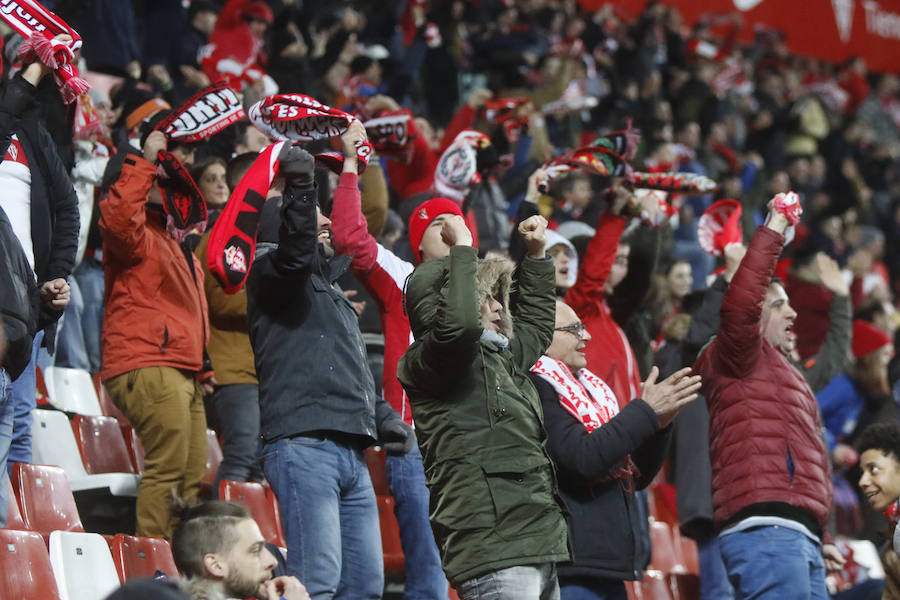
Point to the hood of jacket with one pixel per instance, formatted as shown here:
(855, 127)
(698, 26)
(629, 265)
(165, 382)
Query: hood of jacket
(424, 293)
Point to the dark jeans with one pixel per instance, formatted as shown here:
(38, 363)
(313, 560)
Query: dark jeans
(237, 415)
(591, 588)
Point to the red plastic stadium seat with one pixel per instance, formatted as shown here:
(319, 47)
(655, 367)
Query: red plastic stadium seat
(25, 570)
(394, 564)
(688, 552)
(42, 398)
(653, 587)
(253, 496)
(375, 457)
(665, 556)
(101, 444)
(106, 404)
(135, 448)
(660, 503)
(633, 589)
(684, 586)
(136, 557)
(45, 498)
(213, 460)
(13, 514)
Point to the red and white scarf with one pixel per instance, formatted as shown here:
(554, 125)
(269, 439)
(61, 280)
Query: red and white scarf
(587, 398)
(389, 133)
(209, 111)
(300, 118)
(39, 26)
(232, 242)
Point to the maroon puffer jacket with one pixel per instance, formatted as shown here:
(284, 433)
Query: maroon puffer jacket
(765, 432)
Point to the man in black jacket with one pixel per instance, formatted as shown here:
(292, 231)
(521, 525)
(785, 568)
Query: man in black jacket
(41, 205)
(318, 405)
(603, 456)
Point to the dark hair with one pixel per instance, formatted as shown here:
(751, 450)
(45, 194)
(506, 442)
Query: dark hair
(880, 436)
(198, 168)
(237, 167)
(360, 64)
(198, 6)
(204, 528)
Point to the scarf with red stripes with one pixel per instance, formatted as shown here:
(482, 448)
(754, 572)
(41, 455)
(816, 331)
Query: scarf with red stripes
(39, 26)
(232, 242)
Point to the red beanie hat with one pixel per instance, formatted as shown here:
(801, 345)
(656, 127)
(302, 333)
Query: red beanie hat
(260, 11)
(422, 217)
(867, 338)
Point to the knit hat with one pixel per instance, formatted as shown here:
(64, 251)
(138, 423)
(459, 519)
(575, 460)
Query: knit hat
(145, 110)
(422, 217)
(867, 338)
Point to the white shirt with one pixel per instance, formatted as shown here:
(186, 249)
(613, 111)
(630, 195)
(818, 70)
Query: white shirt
(15, 195)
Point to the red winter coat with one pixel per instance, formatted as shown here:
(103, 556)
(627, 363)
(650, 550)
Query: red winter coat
(608, 353)
(765, 431)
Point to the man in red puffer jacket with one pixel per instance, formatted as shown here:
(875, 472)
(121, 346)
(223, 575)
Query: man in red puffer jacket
(770, 468)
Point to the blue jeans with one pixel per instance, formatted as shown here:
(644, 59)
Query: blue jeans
(774, 562)
(22, 397)
(329, 516)
(425, 579)
(530, 582)
(714, 584)
(237, 416)
(71, 350)
(89, 275)
(6, 426)
(590, 588)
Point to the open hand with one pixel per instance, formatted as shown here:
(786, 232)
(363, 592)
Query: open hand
(830, 275)
(670, 395)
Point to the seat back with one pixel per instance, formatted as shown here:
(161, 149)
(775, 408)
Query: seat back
(665, 556)
(654, 587)
(101, 444)
(25, 570)
(392, 550)
(53, 443)
(82, 565)
(72, 390)
(375, 461)
(253, 496)
(106, 404)
(42, 398)
(13, 514)
(136, 557)
(213, 460)
(135, 448)
(45, 498)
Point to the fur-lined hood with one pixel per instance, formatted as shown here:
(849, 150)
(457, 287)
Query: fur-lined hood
(424, 292)
(199, 588)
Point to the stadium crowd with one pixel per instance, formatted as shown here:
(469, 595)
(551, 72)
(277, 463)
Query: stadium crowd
(544, 256)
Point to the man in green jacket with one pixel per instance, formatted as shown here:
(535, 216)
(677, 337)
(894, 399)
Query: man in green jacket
(495, 510)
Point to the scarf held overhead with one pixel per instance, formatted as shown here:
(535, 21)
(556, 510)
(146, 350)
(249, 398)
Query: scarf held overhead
(208, 112)
(39, 27)
(300, 118)
(232, 242)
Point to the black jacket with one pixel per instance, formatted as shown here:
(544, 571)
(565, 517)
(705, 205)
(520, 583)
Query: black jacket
(310, 354)
(603, 517)
(54, 206)
(18, 300)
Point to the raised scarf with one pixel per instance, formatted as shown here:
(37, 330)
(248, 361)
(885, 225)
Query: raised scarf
(39, 26)
(300, 118)
(587, 398)
(232, 242)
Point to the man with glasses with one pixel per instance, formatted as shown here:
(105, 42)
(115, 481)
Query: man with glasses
(603, 455)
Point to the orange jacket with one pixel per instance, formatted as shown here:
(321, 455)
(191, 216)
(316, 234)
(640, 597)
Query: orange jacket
(155, 306)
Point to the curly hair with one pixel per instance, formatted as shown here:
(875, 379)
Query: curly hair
(880, 436)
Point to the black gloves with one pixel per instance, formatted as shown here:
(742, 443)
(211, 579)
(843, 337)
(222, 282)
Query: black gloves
(296, 165)
(396, 436)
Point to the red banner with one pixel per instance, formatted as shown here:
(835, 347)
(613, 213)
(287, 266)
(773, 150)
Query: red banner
(830, 29)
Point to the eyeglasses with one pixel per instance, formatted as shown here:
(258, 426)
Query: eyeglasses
(576, 329)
